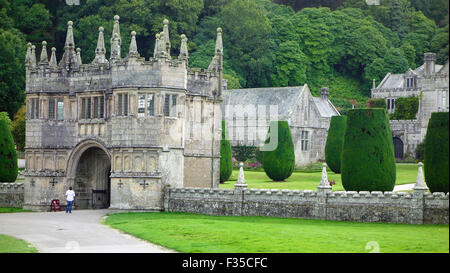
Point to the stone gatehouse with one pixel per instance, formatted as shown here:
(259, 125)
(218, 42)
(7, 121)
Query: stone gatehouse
(120, 130)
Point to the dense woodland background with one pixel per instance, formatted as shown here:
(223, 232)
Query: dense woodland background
(343, 44)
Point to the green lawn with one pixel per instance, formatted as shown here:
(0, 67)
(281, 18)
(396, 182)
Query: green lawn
(309, 180)
(10, 244)
(194, 233)
(12, 210)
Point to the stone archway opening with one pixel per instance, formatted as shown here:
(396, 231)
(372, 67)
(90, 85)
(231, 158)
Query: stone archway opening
(398, 148)
(92, 179)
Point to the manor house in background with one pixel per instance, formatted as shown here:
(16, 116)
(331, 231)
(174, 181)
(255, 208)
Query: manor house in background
(248, 113)
(429, 82)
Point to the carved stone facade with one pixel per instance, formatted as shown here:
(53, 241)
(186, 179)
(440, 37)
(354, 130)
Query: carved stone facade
(429, 82)
(120, 131)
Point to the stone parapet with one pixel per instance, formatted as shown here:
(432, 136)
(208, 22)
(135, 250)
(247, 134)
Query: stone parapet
(361, 206)
(11, 194)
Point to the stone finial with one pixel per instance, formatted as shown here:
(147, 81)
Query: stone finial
(28, 56)
(219, 45)
(324, 184)
(70, 43)
(69, 58)
(79, 56)
(133, 52)
(115, 45)
(166, 38)
(184, 54)
(241, 183)
(157, 42)
(100, 50)
(216, 62)
(33, 56)
(53, 61)
(44, 57)
(420, 181)
(373, 84)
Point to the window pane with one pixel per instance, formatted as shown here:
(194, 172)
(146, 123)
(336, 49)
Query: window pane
(51, 109)
(88, 115)
(60, 109)
(141, 105)
(173, 108)
(83, 108)
(166, 105)
(125, 104)
(95, 107)
(102, 106)
(151, 105)
(37, 108)
(119, 113)
(32, 109)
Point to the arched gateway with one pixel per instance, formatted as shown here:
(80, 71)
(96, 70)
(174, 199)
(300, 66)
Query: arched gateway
(88, 172)
(120, 130)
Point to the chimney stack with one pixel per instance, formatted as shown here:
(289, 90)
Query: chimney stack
(324, 93)
(430, 62)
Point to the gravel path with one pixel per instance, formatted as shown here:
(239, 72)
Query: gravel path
(80, 231)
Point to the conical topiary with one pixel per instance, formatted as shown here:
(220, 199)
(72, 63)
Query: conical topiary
(436, 153)
(335, 142)
(368, 162)
(226, 161)
(279, 159)
(8, 154)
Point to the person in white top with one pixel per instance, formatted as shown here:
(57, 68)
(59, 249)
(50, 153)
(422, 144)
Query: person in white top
(70, 194)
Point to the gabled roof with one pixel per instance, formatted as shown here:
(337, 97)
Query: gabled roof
(392, 81)
(286, 98)
(325, 107)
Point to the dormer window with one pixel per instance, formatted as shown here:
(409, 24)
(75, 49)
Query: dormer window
(410, 82)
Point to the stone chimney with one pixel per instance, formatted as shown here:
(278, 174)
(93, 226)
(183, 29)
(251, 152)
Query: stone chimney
(324, 93)
(430, 62)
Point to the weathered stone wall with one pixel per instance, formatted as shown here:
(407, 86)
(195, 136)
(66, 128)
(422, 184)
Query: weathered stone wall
(409, 132)
(11, 195)
(389, 207)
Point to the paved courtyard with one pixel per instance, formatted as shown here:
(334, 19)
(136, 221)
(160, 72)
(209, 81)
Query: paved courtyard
(81, 231)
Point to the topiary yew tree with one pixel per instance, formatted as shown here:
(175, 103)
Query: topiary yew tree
(279, 161)
(335, 142)
(8, 154)
(226, 162)
(368, 162)
(436, 153)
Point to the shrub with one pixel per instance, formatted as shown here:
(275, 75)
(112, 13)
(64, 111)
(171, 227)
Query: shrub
(368, 162)
(18, 128)
(376, 103)
(8, 154)
(436, 153)
(420, 152)
(280, 162)
(406, 108)
(243, 153)
(335, 141)
(226, 163)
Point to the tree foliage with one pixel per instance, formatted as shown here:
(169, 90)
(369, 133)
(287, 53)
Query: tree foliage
(279, 163)
(368, 162)
(436, 153)
(342, 44)
(226, 163)
(335, 143)
(8, 154)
